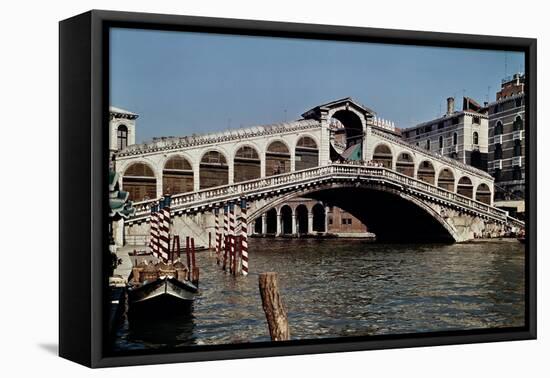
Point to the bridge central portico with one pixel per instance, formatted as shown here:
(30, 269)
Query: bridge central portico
(335, 146)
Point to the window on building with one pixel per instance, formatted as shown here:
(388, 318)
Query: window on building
(122, 137)
(517, 147)
(440, 142)
(476, 120)
(455, 121)
(518, 102)
(417, 131)
(499, 128)
(497, 174)
(475, 138)
(428, 144)
(455, 139)
(517, 173)
(498, 151)
(440, 125)
(428, 129)
(518, 124)
(496, 109)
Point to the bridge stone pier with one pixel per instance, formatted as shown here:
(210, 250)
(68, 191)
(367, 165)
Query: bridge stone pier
(337, 153)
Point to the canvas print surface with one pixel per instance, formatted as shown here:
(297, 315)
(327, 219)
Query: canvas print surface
(266, 189)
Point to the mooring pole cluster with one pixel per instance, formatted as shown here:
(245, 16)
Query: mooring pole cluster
(232, 240)
(191, 262)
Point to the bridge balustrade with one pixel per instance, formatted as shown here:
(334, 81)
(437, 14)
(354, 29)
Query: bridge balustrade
(335, 171)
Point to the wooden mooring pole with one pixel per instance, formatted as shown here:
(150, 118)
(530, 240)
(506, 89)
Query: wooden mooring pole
(188, 253)
(274, 308)
(193, 261)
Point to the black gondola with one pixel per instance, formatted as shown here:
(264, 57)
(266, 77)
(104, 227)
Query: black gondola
(162, 293)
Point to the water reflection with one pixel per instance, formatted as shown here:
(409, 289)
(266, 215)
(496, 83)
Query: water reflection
(349, 288)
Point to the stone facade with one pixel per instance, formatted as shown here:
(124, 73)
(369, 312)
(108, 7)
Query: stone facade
(507, 137)
(461, 135)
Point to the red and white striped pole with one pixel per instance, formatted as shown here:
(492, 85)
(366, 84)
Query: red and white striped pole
(164, 228)
(225, 225)
(244, 237)
(218, 236)
(224, 239)
(154, 233)
(232, 237)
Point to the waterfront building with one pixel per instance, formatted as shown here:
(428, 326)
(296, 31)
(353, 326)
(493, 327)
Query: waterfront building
(507, 144)
(461, 135)
(343, 223)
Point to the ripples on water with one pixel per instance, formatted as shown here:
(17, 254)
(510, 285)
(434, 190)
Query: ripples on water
(338, 288)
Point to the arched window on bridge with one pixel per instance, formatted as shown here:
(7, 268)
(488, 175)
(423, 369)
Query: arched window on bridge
(286, 220)
(307, 153)
(301, 219)
(475, 138)
(382, 155)
(213, 170)
(247, 165)
(446, 180)
(426, 172)
(319, 218)
(258, 226)
(177, 176)
(483, 194)
(271, 221)
(346, 138)
(405, 164)
(465, 187)
(277, 159)
(140, 182)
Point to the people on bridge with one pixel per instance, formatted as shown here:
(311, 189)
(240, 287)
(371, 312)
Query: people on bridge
(368, 163)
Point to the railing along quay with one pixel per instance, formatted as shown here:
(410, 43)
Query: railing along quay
(208, 197)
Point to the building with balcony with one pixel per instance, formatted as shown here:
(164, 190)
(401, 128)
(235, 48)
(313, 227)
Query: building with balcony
(507, 127)
(461, 135)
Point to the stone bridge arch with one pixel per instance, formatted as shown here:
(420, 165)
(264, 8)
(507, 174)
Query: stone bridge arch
(177, 174)
(439, 215)
(141, 180)
(278, 157)
(383, 153)
(213, 169)
(247, 162)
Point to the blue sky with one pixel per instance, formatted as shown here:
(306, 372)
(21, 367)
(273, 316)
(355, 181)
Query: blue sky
(183, 83)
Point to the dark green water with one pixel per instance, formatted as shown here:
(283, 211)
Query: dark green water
(338, 288)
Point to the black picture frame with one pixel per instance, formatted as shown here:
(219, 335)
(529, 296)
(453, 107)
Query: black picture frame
(83, 164)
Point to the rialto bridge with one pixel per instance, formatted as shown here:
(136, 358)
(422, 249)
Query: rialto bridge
(338, 154)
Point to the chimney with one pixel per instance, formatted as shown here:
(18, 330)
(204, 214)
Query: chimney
(450, 105)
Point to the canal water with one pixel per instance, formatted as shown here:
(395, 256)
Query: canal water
(335, 288)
